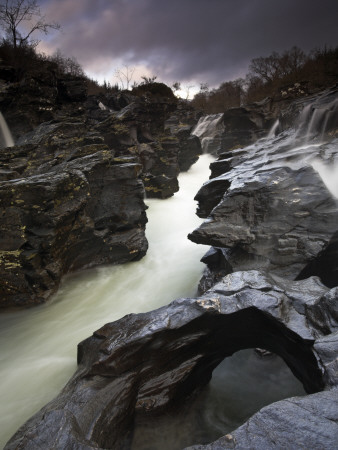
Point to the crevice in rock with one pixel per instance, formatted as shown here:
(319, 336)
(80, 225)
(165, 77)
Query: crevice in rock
(325, 265)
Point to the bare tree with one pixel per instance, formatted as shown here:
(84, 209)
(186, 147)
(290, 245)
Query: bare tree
(187, 90)
(276, 66)
(20, 19)
(125, 76)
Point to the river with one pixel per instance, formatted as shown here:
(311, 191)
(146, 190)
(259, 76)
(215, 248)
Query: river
(38, 345)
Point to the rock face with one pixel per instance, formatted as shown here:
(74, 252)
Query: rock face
(315, 416)
(72, 188)
(243, 126)
(235, 128)
(271, 219)
(268, 207)
(148, 362)
(180, 125)
(81, 214)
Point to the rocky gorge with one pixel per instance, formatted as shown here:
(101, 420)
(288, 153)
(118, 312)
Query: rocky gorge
(270, 281)
(72, 187)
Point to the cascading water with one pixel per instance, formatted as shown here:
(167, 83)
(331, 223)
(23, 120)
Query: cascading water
(7, 137)
(314, 119)
(38, 346)
(208, 130)
(273, 130)
(312, 126)
(329, 174)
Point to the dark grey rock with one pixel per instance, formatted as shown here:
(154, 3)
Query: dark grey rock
(298, 422)
(326, 348)
(268, 213)
(87, 212)
(267, 205)
(263, 211)
(80, 169)
(150, 362)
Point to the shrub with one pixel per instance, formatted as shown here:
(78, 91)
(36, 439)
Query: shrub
(154, 89)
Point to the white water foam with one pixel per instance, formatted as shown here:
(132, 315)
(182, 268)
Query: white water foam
(273, 130)
(38, 346)
(207, 129)
(6, 134)
(329, 175)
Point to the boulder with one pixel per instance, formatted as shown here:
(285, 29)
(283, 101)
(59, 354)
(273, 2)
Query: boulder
(270, 219)
(79, 214)
(235, 128)
(82, 165)
(150, 362)
(181, 125)
(308, 422)
(189, 148)
(164, 148)
(268, 206)
(267, 213)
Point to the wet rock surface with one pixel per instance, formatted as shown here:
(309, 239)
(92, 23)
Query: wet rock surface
(266, 206)
(150, 362)
(280, 185)
(270, 219)
(242, 126)
(72, 188)
(309, 422)
(81, 214)
(235, 128)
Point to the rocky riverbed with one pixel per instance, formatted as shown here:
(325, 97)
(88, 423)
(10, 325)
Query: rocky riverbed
(270, 283)
(72, 187)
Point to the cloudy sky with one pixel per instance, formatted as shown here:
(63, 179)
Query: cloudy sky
(191, 41)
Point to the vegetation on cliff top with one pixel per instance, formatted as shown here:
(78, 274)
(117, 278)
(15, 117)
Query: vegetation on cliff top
(279, 75)
(276, 76)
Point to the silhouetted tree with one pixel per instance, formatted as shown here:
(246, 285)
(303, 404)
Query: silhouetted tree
(273, 75)
(125, 76)
(20, 19)
(176, 86)
(227, 95)
(187, 90)
(148, 80)
(66, 64)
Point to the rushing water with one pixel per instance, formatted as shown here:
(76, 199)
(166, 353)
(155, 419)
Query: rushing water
(38, 346)
(209, 129)
(5, 132)
(273, 130)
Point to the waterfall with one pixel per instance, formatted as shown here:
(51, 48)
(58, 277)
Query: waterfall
(329, 175)
(6, 134)
(315, 118)
(314, 121)
(273, 129)
(209, 129)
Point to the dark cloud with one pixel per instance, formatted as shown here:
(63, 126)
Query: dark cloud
(200, 40)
